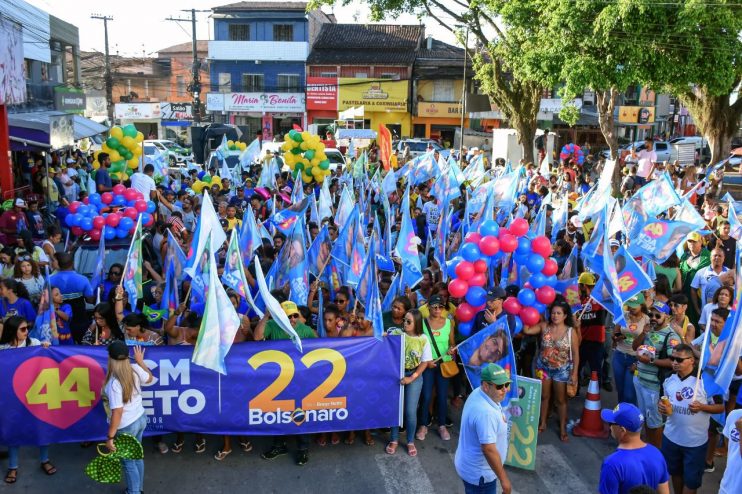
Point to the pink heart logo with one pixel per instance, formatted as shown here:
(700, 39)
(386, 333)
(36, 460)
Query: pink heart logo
(59, 393)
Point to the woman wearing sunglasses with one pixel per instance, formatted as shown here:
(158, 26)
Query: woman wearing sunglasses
(15, 335)
(417, 356)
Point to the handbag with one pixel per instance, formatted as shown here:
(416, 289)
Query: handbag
(106, 468)
(448, 369)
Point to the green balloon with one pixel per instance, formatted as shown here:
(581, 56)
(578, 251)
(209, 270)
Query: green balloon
(118, 166)
(130, 130)
(112, 143)
(299, 166)
(296, 150)
(129, 171)
(297, 172)
(324, 164)
(308, 170)
(207, 179)
(295, 135)
(309, 154)
(122, 149)
(127, 155)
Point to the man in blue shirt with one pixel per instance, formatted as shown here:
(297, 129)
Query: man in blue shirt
(75, 289)
(635, 462)
(102, 178)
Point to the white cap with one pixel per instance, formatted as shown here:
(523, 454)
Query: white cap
(576, 221)
(20, 203)
(70, 160)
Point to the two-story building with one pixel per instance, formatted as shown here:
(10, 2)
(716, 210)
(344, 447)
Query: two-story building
(257, 64)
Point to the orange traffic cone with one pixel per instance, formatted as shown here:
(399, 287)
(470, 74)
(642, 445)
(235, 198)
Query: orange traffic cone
(591, 425)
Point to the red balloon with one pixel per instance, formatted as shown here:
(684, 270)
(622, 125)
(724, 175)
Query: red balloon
(545, 295)
(119, 189)
(73, 206)
(465, 312)
(113, 220)
(529, 316)
(511, 305)
(550, 267)
(99, 222)
(480, 266)
(473, 237)
(464, 270)
(86, 200)
(139, 196)
(458, 288)
(541, 245)
(106, 198)
(479, 279)
(130, 194)
(508, 243)
(76, 231)
(131, 213)
(140, 206)
(94, 234)
(519, 227)
(489, 245)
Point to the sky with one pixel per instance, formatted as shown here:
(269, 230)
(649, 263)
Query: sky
(139, 27)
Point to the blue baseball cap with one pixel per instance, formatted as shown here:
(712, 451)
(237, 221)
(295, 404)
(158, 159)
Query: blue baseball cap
(626, 415)
(661, 307)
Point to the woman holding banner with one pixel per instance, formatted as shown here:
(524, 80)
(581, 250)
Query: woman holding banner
(558, 361)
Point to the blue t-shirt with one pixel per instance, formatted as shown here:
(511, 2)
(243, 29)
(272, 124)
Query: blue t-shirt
(21, 307)
(72, 285)
(102, 178)
(628, 468)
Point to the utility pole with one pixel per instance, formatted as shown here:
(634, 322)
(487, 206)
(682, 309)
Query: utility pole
(195, 86)
(463, 94)
(109, 79)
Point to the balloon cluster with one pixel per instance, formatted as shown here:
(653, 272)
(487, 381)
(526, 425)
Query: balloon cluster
(305, 155)
(124, 147)
(111, 214)
(572, 151)
(481, 251)
(236, 146)
(206, 181)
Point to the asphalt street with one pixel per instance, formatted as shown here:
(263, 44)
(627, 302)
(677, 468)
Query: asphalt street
(572, 468)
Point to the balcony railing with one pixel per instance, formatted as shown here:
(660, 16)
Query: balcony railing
(269, 51)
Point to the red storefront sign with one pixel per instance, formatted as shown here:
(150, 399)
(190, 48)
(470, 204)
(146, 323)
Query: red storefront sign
(322, 93)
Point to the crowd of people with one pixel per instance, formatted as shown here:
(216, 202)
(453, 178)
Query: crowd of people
(693, 292)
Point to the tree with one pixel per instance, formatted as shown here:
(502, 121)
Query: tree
(518, 98)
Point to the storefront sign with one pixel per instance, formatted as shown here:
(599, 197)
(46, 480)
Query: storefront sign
(138, 111)
(96, 106)
(215, 102)
(555, 105)
(265, 102)
(176, 111)
(636, 114)
(71, 101)
(373, 94)
(438, 110)
(61, 131)
(322, 93)
(13, 87)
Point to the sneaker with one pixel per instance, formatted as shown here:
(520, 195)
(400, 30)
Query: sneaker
(709, 467)
(608, 386)
(162, 448)
(449, 422)
(444, 433)
(302, 457)
(275, 452)
(421, 433)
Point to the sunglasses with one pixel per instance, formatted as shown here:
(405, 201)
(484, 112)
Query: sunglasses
(656, 317)
(436, 306)
(409, 321)
(500, 387)
(294, 316)
(23, 328)
(679, 360)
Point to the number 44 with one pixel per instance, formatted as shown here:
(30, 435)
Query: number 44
(48, 390)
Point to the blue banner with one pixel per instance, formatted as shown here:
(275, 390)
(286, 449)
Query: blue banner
(54, 395)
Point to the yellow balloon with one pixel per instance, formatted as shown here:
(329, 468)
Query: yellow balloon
(133, 163)
(214, 184)
(289, 159)
(216, 180)
(306, 178)
(305, 136)
(114, 155)
(96, 165)
(139, 137)
(198, 186)
(105, 148)
(321, 147)
(116, 132)
(230, 143)
(321, 156)
(137, 151)
(314, 162)
(287, 137)
(303, 146)
(128, 142)
(326, 172)
(242, 146)
(286, 147)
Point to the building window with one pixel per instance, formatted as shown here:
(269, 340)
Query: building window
(288, 83)
(283, 32)
(239, 32)
(361, 75)
(328, 74)
(225, 82)
(443, 90)
(180, 85)
(389, 75)
(252, 83)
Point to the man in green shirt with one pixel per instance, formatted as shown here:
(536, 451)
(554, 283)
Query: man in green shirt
(268, 329)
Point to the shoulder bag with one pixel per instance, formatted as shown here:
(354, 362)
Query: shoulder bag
(448, 369)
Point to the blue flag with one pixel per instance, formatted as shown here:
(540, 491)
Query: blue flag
(285, 219)
(658, 239)
(394, 290)
(318, 254)
(406, 247)
(249, 238)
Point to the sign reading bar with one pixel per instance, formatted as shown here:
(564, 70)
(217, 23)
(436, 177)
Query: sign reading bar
(438, 110)
(53, 395)
(374, 94)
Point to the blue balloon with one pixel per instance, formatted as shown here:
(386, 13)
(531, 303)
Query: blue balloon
(476, 296)
(470, 252)
(537, 280)
(450, 266)
(121, 233)
(524, 246)
(126, 223)
(526, 297)
(82, 210)
(466, 327)
(130, 204)
(496, 257)
(119, 200)
(521, 259)
(109, 232)
(86, 223)
(151, 207)
(70, 220)
(551, 280)
(94, 198)
(489, 227)
(541, 308)
(146, 218)
(535, 263)
(201, 174)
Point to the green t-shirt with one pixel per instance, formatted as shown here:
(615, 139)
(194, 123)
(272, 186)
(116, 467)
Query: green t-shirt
(390, 327)
(648, 372)
(441, 339)
(274, 332)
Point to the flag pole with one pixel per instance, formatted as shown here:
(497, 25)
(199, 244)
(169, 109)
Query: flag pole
(704, 344)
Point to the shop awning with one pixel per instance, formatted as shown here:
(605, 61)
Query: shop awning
(176, 123)
(31, 130)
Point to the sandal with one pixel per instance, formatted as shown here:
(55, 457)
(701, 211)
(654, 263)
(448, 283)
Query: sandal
(177, 446)
(322, 440)
(391, 447)
(246, 446)
(564, 437)
(335, 438)
(368, 439)
(350, 439)
(220, 455)
(11, 476)
(411, 450)
(200, 446)
(48, 468)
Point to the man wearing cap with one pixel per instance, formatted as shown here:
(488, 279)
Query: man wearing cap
(492, 310)
(13, 221)
(635, 462)
(592, 328)
(707, 280)
(654, 367)
(483, 441)
(268, 329)
(240, 200)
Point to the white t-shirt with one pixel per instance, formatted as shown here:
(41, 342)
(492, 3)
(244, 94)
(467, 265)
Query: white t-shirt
(645, 161)
(432, 213)
(143, 183)
(707, 281)
(683, 427)
(483, 422)
(133, 409)
(731, 483)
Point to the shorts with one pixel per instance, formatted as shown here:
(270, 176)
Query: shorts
(646, 400)
(686, 461)
(560, 374)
